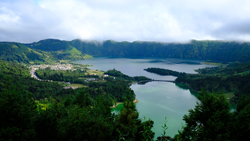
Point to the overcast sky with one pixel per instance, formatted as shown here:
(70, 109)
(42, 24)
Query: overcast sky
(124, 20)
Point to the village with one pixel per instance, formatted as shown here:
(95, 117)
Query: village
(63, 67)
(55, 67)
(33, 69)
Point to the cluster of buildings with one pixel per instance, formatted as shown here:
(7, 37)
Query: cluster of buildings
(33, 69)
(55, 67)
(90, 79)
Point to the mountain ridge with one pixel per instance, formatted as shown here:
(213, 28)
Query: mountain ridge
(54, 50)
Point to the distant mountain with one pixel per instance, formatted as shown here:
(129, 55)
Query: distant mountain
(54, 50)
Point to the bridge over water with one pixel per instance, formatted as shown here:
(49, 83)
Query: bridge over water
(172, 81)
(146, 81)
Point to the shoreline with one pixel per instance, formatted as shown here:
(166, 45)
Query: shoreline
(136, 101)
(118, 103)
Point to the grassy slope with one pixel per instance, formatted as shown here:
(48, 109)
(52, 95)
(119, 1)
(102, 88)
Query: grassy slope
(61, 50)
(75, 54)
(16, 52)
(42, 52)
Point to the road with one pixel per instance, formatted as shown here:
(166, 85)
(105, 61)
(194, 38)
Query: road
(33, 75)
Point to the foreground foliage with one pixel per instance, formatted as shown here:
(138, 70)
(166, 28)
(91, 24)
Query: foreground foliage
(212, 119)
(72, 119)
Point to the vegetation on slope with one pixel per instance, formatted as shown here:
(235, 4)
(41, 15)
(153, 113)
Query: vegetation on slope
(52, 49)
(218, 51)
(46, 52)
(69, 114)
(234, 77)
(61, 50)
(19, 76)
(16, 52)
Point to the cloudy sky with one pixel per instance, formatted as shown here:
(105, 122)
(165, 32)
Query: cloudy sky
(125, 20)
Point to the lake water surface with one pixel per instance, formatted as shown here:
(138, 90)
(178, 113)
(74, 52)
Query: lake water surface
(157, 100)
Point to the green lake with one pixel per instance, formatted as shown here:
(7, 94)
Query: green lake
(157, 100)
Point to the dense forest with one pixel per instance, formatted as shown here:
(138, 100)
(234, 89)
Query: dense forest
(41, 110)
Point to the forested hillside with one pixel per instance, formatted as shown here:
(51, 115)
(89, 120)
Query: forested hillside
(41, 110)
(17, 75)
(47, 52)
(61, 50)
(16, 52)
(50, 50)
(219, 51)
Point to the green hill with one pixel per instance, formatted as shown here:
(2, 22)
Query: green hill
(16, 52)
(61, 50)
(49, 45)
(42, 52)
(71, 53)
(17, 75)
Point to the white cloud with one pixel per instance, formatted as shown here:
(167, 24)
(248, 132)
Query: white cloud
(131, 20)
